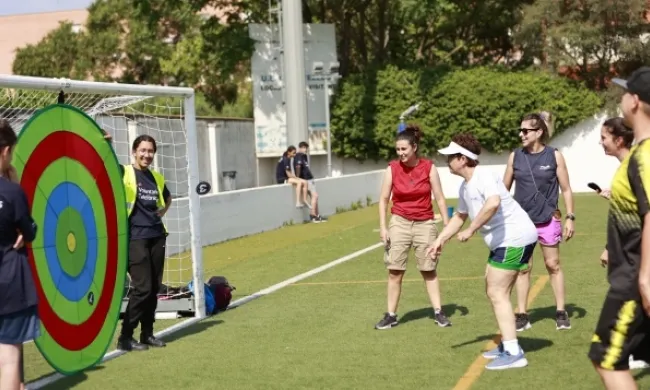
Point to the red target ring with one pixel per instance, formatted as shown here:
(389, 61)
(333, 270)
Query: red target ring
(58, 145)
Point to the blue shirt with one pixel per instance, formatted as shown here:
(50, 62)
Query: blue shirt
(284, 165)
(144, 222)
(302, 160)
(17, 289)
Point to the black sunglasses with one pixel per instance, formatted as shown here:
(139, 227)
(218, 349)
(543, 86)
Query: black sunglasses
(525, 130)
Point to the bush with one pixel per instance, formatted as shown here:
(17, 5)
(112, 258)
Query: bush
(488, 102)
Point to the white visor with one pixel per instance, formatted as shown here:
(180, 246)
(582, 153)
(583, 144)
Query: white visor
(454, 148)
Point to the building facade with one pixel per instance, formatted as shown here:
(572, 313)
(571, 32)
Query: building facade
(17, 31)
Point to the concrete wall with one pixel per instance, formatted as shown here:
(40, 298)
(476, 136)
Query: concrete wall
(239, 213)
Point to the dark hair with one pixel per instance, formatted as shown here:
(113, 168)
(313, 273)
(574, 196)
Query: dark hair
(303, 144)
(144, 138)
(8, 137)
(291, 148)
(617, 128)
(411, 133)
(469, 142)
(539, 123)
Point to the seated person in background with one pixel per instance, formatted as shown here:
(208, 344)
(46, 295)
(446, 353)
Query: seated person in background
(284, 174)
(301, 168)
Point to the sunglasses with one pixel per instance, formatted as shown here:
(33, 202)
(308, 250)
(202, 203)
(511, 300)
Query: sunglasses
(525, 130)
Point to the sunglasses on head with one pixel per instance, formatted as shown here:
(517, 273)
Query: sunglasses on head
(525, 130)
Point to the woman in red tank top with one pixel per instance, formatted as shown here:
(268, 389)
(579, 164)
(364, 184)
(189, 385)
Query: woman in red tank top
(411, 180)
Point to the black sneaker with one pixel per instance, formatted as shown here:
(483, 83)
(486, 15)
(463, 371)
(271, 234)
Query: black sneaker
(152, 341)
(129, 344)
(387, 322)
(441, 319)
(562, 320)
(522, 322)
(314, 219)
(321, 218)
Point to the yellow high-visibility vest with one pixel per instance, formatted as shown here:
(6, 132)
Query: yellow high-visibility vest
(131, 187)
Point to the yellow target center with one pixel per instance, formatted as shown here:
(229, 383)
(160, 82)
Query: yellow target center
(72, 242)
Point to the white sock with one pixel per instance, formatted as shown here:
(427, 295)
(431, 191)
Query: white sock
(512, 347)
(392, 314)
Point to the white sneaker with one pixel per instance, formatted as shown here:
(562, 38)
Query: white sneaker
(637, 364)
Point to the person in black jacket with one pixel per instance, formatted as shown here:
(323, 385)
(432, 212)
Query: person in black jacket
(18, 298)
(302, 171)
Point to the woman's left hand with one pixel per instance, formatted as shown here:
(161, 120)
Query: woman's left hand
(569, 229)
(19, 241)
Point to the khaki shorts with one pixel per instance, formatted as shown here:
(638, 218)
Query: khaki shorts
(404, 235)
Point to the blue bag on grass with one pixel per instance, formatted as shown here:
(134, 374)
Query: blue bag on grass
(209, 298)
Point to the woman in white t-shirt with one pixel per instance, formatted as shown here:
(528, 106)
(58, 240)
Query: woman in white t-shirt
(507, 231)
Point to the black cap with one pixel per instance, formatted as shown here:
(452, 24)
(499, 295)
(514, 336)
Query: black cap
(638, 83)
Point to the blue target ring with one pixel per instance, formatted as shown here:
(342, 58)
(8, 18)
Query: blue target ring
(65, 195)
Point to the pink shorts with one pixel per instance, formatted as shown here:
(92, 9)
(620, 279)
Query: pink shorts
(549, 233)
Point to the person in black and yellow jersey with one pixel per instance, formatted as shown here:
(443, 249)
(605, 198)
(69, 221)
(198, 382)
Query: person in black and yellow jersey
(623, 328)
(148, 199)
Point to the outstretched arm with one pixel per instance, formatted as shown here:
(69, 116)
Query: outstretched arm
(488, 210)
(454, 225)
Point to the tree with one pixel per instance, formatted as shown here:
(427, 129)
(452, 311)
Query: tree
(54, 56)
(487, 101)
(588, 39)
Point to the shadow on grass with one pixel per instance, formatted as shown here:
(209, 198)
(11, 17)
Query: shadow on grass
(642, 374)
(70, 381)
(427, 312)
(73, 380)
(527, 344)
(542, 313)
(196, 328)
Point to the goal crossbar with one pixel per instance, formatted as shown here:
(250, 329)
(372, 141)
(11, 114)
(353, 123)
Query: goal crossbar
(63, 84)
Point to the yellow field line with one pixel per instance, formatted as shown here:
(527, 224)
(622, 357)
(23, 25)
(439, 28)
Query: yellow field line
(378, 281)
(476, 369)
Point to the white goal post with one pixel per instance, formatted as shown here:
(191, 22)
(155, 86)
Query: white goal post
(125, 111)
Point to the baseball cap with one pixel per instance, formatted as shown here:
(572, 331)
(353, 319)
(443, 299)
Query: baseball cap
(454, 148)
(638, 83)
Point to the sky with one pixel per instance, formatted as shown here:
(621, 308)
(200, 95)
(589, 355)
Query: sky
(17, 7)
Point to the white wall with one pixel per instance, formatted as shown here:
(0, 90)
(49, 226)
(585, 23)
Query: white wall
(239, 213)
(585, 160)
(233, 142)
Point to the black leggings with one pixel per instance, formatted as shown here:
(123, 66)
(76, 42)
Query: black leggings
(146, 264)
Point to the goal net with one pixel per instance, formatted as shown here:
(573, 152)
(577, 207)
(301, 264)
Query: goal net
(125, 112)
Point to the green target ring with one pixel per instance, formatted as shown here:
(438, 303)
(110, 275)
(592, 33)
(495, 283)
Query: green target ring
(73, 183)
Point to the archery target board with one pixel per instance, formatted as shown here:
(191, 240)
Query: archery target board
(74, 187)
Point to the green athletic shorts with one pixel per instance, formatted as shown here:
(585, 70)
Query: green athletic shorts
(511, 258)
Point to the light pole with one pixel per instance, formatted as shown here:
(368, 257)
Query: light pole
(332, 72)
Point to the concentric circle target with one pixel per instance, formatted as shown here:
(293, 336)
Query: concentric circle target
(74, 187)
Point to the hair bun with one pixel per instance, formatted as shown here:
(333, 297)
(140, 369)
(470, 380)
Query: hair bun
(415, 130)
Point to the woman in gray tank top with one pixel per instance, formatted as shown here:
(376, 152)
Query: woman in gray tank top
(539, 172)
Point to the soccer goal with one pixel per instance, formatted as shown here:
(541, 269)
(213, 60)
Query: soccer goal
(126, 111)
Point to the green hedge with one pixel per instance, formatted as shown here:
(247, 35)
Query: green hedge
(489, 102)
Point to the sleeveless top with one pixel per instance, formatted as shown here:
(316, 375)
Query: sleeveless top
(536, 183)
(412, 190)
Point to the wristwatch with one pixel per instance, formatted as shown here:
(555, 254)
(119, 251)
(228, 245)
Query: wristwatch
(571, 216)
